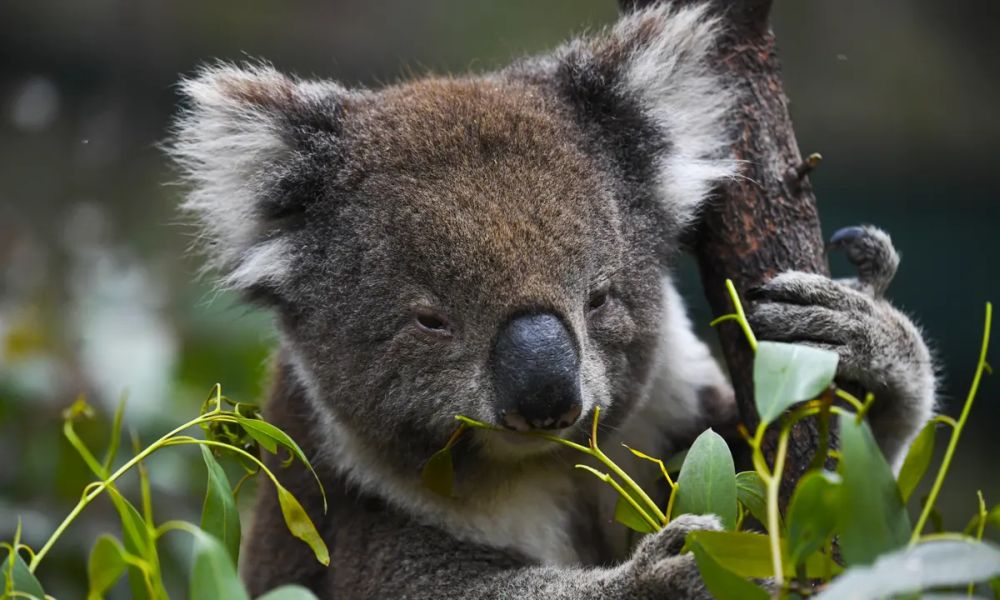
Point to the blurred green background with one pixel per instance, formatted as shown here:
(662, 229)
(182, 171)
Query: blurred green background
(98, 295)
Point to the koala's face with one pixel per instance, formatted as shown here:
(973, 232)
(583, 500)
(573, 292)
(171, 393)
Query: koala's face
(490, 247)
(470, 260)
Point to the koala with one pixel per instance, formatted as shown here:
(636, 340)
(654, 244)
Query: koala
(500, 246)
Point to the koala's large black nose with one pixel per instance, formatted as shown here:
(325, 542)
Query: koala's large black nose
(536, 371)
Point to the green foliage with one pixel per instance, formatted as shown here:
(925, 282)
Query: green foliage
(219, 515)
(917, 460)
(932, 564)
(873, 520)
(213, 572)
(812, 514)
(784, 374)
(722, 583)
(707, 483)
(752, 494)
(106, 565)
(238, 431)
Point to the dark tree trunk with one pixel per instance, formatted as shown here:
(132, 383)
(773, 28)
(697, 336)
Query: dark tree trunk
(766, 221)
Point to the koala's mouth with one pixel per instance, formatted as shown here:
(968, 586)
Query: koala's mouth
(518, 444)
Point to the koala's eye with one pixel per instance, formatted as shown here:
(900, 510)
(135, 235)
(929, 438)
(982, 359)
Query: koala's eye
(598, 299)
(431, 322)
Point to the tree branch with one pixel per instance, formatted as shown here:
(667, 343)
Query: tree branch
(766, 221)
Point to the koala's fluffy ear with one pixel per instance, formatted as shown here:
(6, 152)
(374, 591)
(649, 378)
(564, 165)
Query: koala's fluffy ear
(248, 146)
(649, 90)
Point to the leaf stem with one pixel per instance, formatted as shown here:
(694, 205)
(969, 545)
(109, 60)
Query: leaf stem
(956, 430)
(608, 479)
(96, 488)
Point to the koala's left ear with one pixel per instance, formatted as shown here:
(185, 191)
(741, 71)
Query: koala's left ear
(647, 89)
(247, 146)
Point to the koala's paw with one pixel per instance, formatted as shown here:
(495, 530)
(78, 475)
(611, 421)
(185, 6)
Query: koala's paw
(659, 569)
(880, 348)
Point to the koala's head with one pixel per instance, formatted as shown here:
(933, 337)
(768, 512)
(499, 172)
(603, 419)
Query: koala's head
(489, 246)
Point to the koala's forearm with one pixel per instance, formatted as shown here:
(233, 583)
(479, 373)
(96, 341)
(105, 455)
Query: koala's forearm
(383, 558)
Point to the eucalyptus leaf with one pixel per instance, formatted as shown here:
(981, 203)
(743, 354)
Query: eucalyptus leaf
(707, 483)
(219, 515)
(751, 494)
(935, 564)
(213, 575)
(812, 514)
(627, 515)
(784, 374)
(301, 526)
(872, 518)
(105, 567)
(918, 458)
(288, 592)
(138, 541)
(438, 475)
(23, 579)
(722, 583)
(270, 437)
(749, 554)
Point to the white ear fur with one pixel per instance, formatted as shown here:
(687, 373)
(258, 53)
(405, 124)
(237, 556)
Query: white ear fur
(669, 73)
(229, 143)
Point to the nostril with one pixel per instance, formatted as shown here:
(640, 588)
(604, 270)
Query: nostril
(570, 416)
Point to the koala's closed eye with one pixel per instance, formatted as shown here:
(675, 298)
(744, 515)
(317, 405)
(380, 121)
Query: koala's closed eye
(432, 322)
(598, 299)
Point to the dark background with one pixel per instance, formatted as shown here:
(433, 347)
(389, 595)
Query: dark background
(98, 295)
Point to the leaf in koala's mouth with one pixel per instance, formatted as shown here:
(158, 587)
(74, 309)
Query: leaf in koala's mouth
(439, 473)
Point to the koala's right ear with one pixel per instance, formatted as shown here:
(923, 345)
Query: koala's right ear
(253, 146)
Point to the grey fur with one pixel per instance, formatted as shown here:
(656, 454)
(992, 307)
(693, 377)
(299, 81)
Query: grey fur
(349, 212)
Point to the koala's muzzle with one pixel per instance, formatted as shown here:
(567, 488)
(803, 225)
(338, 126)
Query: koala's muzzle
(536, 371)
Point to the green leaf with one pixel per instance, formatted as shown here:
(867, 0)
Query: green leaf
(872, 518)
(936, 564)
(105, 567)
(812, 514)
(289, 592)
(627, 515)
(438, 474)
(918, 458)
(270, 437)
(752, 495)
(138, 541)
(707, 483)
(784, 374)
(219, 515)
(749, 554)
(722, 583)
(993, 517)
(23, 579)
(213, 575)
(301, 526)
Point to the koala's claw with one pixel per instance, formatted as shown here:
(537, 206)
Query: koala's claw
(870, 250)
(669, 541)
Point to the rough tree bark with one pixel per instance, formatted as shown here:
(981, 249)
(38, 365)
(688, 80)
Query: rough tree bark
(765, 222)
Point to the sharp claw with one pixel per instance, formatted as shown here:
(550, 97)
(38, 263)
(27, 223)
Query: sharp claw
(845, 236)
